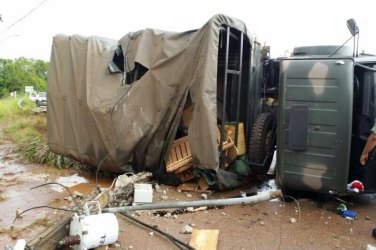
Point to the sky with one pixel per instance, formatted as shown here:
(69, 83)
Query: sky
(28, 26)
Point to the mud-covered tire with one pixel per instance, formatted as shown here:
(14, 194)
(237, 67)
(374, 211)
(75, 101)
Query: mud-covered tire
(261, 143)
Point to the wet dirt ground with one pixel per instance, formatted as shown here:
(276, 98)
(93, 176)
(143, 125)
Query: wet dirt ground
(275, 224)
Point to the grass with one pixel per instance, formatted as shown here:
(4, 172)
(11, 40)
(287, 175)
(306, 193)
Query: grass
(29, 133)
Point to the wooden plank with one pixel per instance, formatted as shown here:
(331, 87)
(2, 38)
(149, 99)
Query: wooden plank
(190, 186)
(179, 164)
(204, 239)
(173, 155)
(169, 161)
(188, 149)
(184, 151)
(179, 154)
(183, 168)
(203, 184)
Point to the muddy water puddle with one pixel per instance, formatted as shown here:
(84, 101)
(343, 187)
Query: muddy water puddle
(16, 195)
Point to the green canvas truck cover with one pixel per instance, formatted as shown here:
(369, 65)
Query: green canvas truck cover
(96, 119)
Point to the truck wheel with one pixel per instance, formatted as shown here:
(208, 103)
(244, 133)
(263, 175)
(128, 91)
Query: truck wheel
(261, 143)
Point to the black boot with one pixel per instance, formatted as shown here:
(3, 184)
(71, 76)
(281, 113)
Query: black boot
(374, 233)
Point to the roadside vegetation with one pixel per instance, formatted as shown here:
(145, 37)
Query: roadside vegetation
(28, 131)
(18, 73)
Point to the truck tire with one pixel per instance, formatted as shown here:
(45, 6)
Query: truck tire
(261, 143)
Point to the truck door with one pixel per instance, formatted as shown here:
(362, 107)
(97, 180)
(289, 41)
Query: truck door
(314, 124)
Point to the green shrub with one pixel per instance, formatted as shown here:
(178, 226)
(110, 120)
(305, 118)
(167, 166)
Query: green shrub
(29, 132)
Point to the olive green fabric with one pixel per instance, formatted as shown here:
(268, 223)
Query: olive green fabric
(97, 119)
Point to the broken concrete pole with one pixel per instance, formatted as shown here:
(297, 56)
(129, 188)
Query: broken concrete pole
(199, 203)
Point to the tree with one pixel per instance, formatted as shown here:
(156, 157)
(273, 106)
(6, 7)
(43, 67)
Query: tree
(21, 72)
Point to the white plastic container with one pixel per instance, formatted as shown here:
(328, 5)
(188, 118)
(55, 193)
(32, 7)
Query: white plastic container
(143, 193)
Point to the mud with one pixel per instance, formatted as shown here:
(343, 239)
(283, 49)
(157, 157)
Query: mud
(17, 181)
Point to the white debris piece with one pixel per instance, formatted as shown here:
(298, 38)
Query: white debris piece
(187, 229)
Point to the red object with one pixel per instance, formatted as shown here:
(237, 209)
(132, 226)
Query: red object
(357, 186)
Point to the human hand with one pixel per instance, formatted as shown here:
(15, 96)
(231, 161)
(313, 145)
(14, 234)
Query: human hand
(363, 159)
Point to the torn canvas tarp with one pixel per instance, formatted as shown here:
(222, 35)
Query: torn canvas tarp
(128, 124)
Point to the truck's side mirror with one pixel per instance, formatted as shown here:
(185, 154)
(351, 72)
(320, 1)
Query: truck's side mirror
(353, 28)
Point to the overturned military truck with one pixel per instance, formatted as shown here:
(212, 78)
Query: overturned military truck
(155, 98)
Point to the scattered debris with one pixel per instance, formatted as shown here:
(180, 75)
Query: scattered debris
(200, 209)
(204, 239)
(143, 193)
(190, 186)
(18, 213)
(77, 194)
(187, 229)
(157, 188)
(371, 247)
(180, 162)
(292, 220)
(190, 209)
(124, 187)
(346, 213)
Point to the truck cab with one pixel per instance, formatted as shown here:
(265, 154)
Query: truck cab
(326, 108)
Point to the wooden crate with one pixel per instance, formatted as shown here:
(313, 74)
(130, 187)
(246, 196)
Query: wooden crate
(180, 155)
(241, 138)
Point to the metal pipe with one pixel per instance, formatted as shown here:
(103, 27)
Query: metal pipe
(223, 122)
(199, 203)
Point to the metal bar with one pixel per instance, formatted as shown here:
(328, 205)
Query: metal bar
(233, 72)
(239, 88)
(231, 123)
(232, 35)
(223, 122)
(199, 203)
(249, 104)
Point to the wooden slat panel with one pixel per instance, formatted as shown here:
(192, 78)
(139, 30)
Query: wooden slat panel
(180, 155)
(204, 239)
